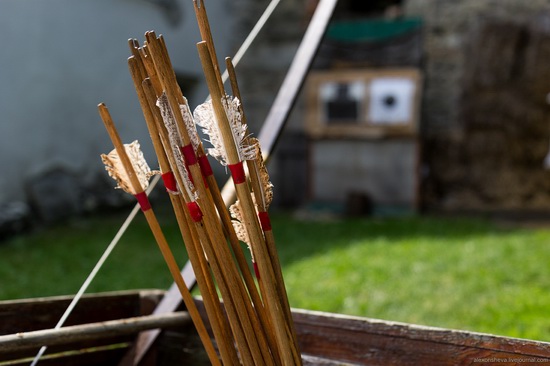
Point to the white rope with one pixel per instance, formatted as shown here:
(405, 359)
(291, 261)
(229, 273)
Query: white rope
(252, 35)
(238, 56)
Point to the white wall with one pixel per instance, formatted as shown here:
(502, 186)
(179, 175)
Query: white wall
(60, 58)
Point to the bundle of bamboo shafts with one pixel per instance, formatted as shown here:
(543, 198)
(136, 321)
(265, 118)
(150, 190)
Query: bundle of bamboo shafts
(250, 319)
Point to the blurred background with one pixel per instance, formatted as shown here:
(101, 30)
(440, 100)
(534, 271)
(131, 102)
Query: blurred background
(450, 109)
(60, 60)
(413, 111)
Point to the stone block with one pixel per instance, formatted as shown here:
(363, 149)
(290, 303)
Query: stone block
(15, 218)
(385, 171)
(55, 195)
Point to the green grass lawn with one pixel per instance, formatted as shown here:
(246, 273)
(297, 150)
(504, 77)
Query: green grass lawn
(454, 273)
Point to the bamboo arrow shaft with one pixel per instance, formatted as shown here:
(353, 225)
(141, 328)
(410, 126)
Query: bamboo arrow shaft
(152, 116)
(259, 193)
(254, 336)
(241, 260)
(159, 237)
(227, 282)
(206, 35)
(284, 339)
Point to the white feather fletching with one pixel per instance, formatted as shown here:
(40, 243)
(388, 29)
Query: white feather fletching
(169, 120)
(263, 175)
(175, 144)
(116, 170)
(184, 174)
(190, 124)
(205, 117)
(238, 224)
(233, 110)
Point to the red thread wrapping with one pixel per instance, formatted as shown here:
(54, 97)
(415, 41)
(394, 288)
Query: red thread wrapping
(143, 201)
(189, 154)
(237, 172)
(170, 182)
(265, 222)
(256, 270)
(190, 158)
(188, 172)
(206, 169)
(194, 211)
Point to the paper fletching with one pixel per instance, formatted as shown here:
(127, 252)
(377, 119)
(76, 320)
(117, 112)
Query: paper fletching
(116, 170)
(205, 117)
(238, 223)
(190, 124)
(236, 213)
(267, 186)
(175, 144)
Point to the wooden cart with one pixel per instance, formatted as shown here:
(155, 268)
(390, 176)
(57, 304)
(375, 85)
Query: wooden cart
(103, 328)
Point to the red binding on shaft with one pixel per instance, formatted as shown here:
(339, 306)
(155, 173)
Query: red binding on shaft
(206, 168)
(237, 172)
(170, 182)
(143, 201)
(265, 222)
(189, 154)
(190, 158)
(256, 270)
(194, 211)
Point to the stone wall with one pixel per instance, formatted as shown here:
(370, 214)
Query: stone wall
(264, 66)
(260, 74)
(485, 120)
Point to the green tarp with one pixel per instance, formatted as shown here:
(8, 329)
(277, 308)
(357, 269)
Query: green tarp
(371, 30)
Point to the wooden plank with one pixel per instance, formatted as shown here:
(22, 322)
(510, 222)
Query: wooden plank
(27, 315)
(336, 339)
(42, 313)
(104, 356)
(92, 331)
(376, 342)
(325, 339)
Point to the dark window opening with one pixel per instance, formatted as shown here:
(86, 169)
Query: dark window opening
(367, 9)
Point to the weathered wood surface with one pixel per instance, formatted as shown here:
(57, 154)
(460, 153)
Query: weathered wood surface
(30, 315)
(43, 313)
(324, 338)
(336, 339)
(375, 342)
(91, 331)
